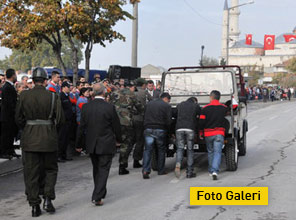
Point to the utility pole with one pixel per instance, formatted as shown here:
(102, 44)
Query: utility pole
(135, 36)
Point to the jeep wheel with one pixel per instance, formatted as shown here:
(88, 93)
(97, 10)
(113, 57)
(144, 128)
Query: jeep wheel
(231, 155)
(154, 159)
(243, 142)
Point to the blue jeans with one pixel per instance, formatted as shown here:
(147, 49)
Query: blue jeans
(188, 138)
(154, 137)
(214, 146)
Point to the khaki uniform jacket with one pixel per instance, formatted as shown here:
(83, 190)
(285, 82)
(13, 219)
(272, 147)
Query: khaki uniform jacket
(36, 104)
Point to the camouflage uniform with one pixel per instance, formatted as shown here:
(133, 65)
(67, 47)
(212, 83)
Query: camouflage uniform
(126, 106)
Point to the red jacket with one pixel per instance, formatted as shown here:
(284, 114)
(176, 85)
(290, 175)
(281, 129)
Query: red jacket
(212, 119)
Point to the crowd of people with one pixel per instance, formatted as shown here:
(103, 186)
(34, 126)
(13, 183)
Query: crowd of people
(55, 120)
(271, 93)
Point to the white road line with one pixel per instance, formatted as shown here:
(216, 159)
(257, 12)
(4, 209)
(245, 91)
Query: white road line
(273, 117)
(252, 129)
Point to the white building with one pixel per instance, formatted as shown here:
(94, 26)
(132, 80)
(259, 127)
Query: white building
(254, 56)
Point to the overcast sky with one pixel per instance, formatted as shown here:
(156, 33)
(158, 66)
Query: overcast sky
(171, 32)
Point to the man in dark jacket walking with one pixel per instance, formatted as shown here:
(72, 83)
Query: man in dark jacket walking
(38, 112)
(187, 125)
(8, 126)
(157, 123)
(101, 126)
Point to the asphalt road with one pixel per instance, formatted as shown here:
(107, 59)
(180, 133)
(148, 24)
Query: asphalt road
(270, 161)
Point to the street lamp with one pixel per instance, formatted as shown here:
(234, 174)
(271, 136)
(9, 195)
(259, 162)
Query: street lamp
(201, 58)
(228, 12)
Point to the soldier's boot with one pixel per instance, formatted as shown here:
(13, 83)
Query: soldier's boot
(48, 206)
(123, 170)
(36, 211)
(137, 164)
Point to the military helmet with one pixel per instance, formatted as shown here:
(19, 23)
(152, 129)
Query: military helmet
(39, 72)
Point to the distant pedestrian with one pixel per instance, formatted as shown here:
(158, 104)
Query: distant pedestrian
(101, 127)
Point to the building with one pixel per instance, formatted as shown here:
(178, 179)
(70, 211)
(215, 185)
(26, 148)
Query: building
(254, 57)
(152, 72)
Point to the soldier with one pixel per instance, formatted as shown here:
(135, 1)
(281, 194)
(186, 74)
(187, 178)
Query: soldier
(143, 97)
(38, 112)
(126, 105)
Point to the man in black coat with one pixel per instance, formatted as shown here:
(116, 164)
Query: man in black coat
(8, 126)
(101, 126)
(64, 130)
(157, 121)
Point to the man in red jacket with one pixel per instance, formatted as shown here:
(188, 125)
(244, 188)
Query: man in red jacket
(212, 123)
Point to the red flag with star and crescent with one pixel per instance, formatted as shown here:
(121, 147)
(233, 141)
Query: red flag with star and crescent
(269, 42)
(289, 38)
(249, 38)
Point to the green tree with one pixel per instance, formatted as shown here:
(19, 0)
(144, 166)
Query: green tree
(291, 65)
(43, 56)
(209, 61)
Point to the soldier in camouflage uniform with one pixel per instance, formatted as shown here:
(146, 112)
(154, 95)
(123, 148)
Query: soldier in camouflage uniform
(126, 106)
(143, 97)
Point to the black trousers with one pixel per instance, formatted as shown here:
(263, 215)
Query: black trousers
(40, 172)
(8, 131)
(64, 139)
(101, 167)
(139, 135)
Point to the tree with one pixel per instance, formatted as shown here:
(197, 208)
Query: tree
(25, 24)
(94, 24)
(210, 61)
(42, 56)
(291, 65)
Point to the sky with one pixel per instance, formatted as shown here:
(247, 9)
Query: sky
(171, 32)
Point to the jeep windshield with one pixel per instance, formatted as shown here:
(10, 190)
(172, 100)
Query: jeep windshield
(198, 83)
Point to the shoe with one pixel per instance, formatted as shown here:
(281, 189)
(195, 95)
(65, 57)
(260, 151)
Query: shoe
(163, 173)
(123, 171)
(137, 164)
(61, 160)
(192, 175)
(178, 171)
(98, 202)
(36, 211)
(146, 175)
(48, 206)
(68, 159)
(215, 176)
(14, 154)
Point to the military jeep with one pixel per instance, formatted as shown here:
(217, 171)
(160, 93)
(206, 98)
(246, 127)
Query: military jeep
(185, 82)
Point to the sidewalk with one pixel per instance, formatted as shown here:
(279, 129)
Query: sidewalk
(10, 166)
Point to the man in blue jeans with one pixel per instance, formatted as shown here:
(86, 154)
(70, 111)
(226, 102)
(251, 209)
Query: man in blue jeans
(186, 127)
(157, 121)
(212, 124)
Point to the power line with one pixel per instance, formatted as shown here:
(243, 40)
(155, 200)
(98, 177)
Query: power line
(200, 15)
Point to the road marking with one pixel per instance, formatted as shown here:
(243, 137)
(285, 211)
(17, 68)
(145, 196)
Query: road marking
(273, 117)
(252, 129)
(175, 180)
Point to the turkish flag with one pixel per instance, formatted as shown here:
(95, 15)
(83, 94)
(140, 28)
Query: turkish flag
(289, 38)
(249, 38)
(269, 42)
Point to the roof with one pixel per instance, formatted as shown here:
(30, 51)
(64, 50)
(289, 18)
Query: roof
(242, 44)
(281, 39)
